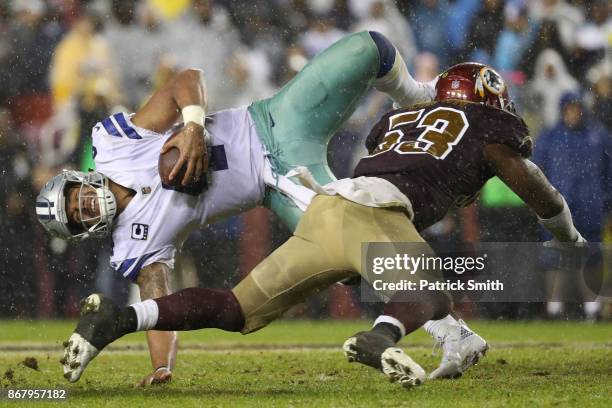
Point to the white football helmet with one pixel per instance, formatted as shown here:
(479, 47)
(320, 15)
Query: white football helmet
(51, 205)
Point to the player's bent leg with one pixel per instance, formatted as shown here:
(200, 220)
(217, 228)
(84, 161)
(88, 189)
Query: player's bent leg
(295, 271)
(405, 311)
(102, 322)
(403, 314)
(297, 123)
(193, 309)
(462, 347)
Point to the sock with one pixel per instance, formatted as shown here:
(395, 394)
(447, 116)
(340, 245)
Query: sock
(388, 330)
(437, 328)
(391, 326)
(591, 309)
(198, 308)
(147, 314)
(409, 311)
(554, 308)
(394, 79)
(386, 53)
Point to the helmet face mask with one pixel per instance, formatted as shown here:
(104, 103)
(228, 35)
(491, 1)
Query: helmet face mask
(86, 193)
(53, 201)
(474, 82)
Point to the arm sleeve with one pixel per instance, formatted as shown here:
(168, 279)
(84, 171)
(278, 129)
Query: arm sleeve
(130, 268)
(128, 157)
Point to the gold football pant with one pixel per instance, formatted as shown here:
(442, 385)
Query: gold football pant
(325, 248)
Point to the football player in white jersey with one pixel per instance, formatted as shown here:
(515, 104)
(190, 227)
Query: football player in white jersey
(250, 151)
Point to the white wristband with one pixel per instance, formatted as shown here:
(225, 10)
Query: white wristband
(193, 113)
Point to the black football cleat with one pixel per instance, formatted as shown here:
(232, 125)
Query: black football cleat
(377, 350)
(101, 323)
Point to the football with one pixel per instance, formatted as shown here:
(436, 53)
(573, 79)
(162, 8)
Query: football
(165, 165)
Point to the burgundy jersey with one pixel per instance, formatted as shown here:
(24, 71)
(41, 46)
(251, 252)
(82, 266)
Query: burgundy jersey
(434, 153)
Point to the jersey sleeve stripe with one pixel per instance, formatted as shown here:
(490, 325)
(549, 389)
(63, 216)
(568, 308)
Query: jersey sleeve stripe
(129, 131)
(130, 268)
(125, 265)
(110, 127)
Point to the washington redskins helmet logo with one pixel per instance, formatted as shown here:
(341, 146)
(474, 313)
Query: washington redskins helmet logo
(488, 78)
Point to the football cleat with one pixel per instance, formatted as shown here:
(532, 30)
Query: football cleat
(78, 352)
(400, 368)
(367, 347)
(99, 325)
(378, 351)
(462, 348)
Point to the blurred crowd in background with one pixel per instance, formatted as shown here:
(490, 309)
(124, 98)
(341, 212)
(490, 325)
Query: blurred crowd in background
(66, 64)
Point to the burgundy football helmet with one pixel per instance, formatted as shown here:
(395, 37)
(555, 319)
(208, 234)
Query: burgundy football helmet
(474, 82)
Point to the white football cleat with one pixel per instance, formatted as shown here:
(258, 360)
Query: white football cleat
(400, 368)
(462, 348)
(78, 352)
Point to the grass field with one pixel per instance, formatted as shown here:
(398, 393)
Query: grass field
(299, 363)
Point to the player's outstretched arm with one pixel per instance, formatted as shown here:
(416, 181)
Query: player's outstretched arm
(163, 345)
(163, 109)
(184, 94)
(528, 182)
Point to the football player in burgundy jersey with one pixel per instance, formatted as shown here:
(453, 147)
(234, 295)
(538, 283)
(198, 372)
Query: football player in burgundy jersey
(422, 160)
(436, 153)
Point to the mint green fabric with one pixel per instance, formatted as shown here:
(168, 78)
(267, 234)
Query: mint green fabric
(296, 124)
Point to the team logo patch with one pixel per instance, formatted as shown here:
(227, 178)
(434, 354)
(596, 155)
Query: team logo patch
(140, 231)
(455, 84)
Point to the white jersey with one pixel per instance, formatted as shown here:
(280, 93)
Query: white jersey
(159, 218)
